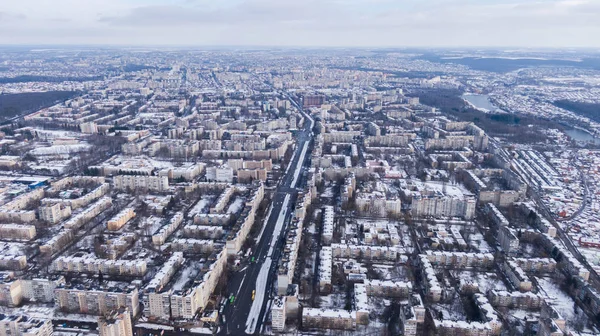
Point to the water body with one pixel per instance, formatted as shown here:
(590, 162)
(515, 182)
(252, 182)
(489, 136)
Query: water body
(582, 136)
(480, 101)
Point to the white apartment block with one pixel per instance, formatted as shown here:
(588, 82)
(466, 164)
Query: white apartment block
(387, 288)
(57, 242)
(443, 206)
(519, 300)
(92, 265)
(54, 213)
(278, 313)
(133, 182)
(222, 201)
(219, 174)
(87, 214)
(162, 277)
(116, 323)
(460, 259)
(19, 325)
(365, 251)
(517, 276)
(119, 220)
(163, 233)
(433, 287)
(41, 290)
(325, 268)
(186, 303)
(13, 262)
(89, 128)
(96, 301)
(328, 319)
(509, 240)
(17, 231)
(328, 218)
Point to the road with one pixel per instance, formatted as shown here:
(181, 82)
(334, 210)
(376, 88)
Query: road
(244, 315)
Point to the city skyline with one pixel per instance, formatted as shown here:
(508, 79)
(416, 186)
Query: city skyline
(330, 23)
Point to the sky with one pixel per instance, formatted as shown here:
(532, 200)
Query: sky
(315, 23)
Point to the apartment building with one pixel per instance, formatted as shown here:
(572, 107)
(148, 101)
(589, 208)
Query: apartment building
(11, 291)
(328, 218)
(54, 213)
(517, 276)
(166, 272)
(328, 319)
(41, 290)
(119, 220)
(219, 174)
(17, 231)
(536, 265)
(57, 242)
(89, 128)
(460, 259)
(519, 300)
(92, 265)
(87, 214)
(377, 205)
(95, 300)
(433, 288)
(325, 268)
(163, 233)
(13, 262)
(238, 234)
(192, 246)
(21, 325)
(412, 315)
(133, 182)
(186, 303)
(278, 313)
(508, 239)
(388, 288)
(14, 210)
(222, 201)
(204, 231)
(115, 323)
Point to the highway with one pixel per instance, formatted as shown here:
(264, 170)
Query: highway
(244, 315)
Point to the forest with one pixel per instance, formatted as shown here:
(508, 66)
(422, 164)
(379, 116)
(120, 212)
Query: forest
(12, 105)
(589, 110)
(519, 128)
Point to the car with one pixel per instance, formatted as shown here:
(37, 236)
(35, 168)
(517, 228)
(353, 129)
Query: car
(253, 294)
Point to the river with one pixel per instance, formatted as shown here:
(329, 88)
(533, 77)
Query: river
(480, 101)
(582, 136)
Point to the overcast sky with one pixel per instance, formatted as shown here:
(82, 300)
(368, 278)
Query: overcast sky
(532, 23)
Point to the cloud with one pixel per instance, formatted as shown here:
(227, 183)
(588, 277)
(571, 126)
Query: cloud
(310, 22)
(7, 17)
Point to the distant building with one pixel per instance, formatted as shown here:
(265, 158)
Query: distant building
(133, 182)
(89, 128)
(313, 100)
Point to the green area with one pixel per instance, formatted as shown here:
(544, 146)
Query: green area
(518, 128)
(12, 105)
(589, 110)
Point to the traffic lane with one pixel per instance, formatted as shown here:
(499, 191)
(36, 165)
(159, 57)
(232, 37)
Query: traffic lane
(241, 306)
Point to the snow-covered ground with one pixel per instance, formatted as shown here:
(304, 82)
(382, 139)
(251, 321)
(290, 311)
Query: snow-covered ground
(558, 298)
(236, 206)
